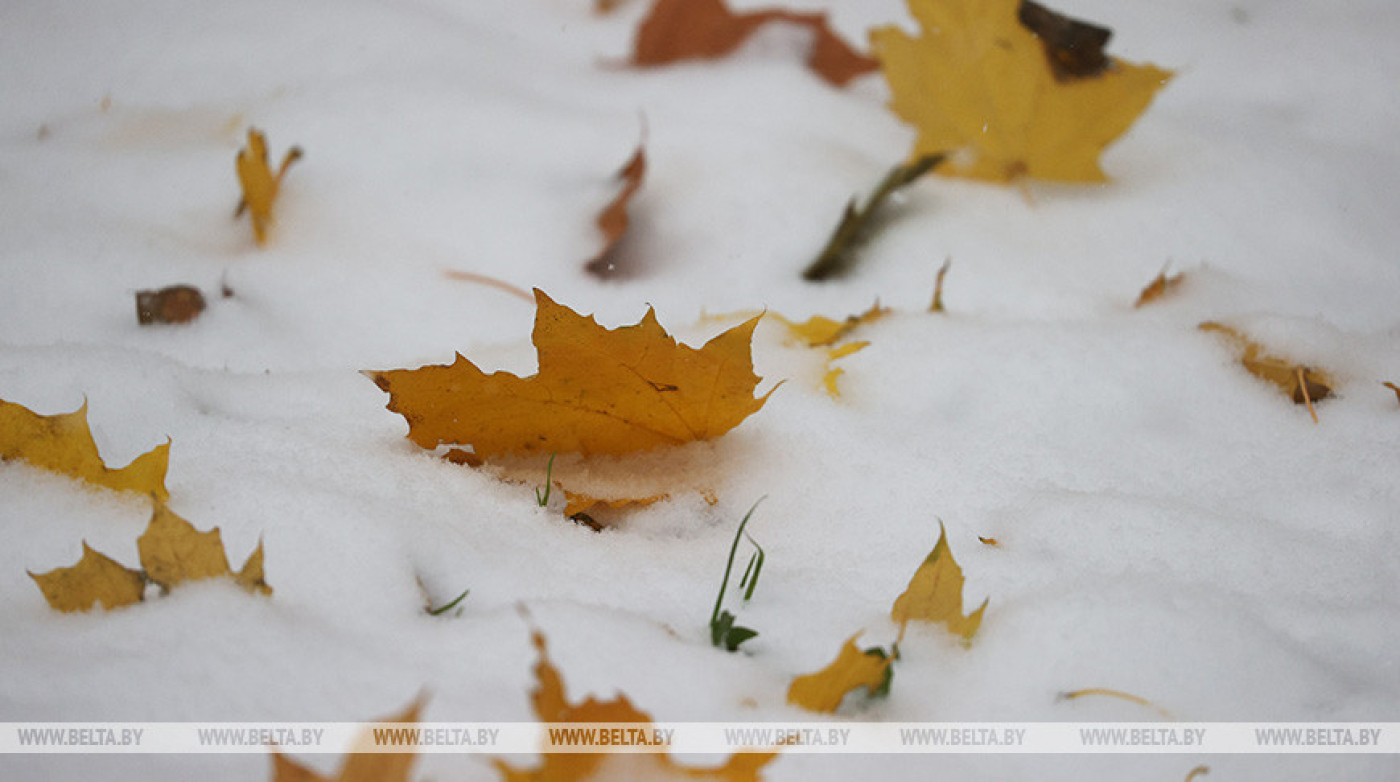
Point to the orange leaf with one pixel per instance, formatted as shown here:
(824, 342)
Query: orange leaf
(1008, 89)
(613, 220)
(260, 184)
(552, 705)
(1159, 287)
(63, 444)
(357, 766)
(598, 391)
(678, 30)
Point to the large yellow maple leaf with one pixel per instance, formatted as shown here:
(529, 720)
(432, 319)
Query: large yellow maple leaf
(63, 443)
(979, 85)
(598, 391)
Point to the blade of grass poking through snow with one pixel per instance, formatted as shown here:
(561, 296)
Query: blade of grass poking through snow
(543, 498)
(451, 605)
(755, 567)
(835, 259)
(723, 632)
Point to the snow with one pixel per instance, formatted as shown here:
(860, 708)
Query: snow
(1169, 526)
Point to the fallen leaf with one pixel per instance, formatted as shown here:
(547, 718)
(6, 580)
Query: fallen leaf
(677, 30)
(97, 578)
(260, 184)
(934, 594)
(824, 690)
(552, 706)
(63, 443)
(613, 220)
(357, 766)
(578, 502)
(1159, 287)
(1198, 771)
(172, 551)
(1303, 385)
(820, 331)
(979, 85)
(856, 223)
(988, 541)
(598, 391)
(175, 304)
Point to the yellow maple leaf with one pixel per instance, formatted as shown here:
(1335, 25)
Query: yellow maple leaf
(357, 766)
(820, 331)
(934, 594)
(824, 690)
(579, 502)
(259, 182)
(97, 578)
(979, 85)
(63, 443)
(173, 551)
(598, 391)
(552, 705)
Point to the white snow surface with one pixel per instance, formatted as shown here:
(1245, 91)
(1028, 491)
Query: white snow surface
(1168, 525)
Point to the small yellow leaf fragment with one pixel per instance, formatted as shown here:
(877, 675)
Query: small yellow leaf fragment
(598, 391)
(96, 578)
(1303, 385)
(1198, 771)
(552, 706)
(360, 766)
(824, 690)
(934, 594)
(578, 502)
(977, 84)
(63, 443)
(820, 331)
(173, 551)
(260, 183)
(1160, 286)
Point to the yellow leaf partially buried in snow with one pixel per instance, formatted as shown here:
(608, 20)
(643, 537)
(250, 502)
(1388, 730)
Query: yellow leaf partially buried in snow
(981, 86)
(96, 578)
(173, 551)
(934, 594)
(552, 706)
(1304, 385)
(824, 690)
(260, 183)
(357, 766)
(598, 391)
(63, 443)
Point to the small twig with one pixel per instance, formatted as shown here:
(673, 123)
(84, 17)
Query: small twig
(937, 305)
(482, 279)
(1127, 696)
(1307, 400)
